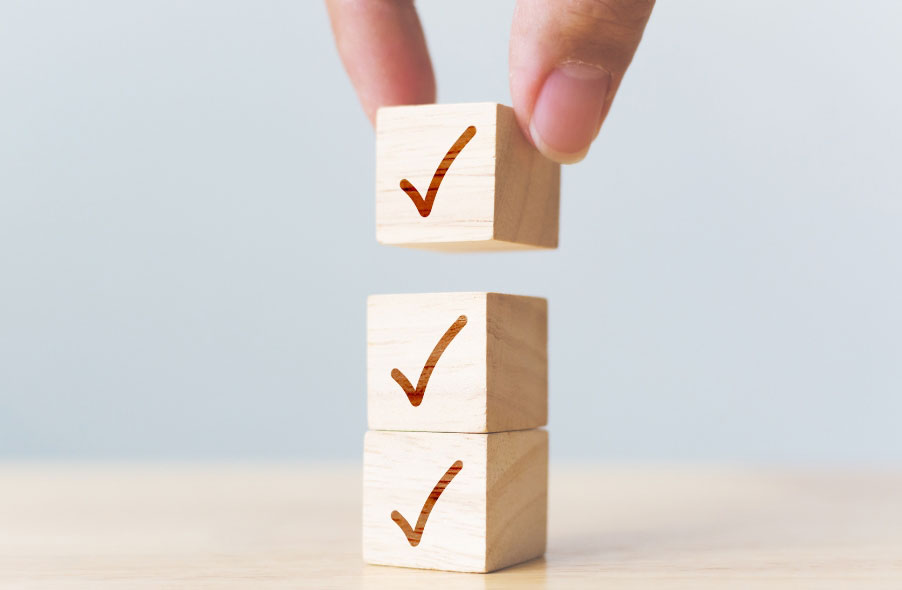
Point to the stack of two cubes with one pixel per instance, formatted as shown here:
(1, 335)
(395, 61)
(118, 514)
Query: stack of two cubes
(455, 462)
(455, 466)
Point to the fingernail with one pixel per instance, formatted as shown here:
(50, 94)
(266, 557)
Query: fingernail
(568, 111)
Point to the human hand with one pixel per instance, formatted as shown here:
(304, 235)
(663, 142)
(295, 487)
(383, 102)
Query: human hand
(567, 59)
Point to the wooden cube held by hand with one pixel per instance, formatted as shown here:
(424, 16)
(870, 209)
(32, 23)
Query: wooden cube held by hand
(462, 177)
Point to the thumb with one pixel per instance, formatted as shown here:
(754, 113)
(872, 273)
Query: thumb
(567, 58)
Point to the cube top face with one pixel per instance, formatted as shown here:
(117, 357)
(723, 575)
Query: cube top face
(456, 362)
(461, 502)
(462, 178)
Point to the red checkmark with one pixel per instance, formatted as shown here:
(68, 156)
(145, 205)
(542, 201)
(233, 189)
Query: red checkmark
(416, 395)
(414, 535)
(424, 206)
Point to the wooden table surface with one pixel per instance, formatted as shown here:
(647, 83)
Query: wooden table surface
(299, 527)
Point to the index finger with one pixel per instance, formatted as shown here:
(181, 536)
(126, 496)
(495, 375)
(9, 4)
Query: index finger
(384, 52)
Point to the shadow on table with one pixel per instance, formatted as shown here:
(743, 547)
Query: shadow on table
(525, 575)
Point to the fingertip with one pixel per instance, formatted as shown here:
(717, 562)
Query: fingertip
(567, 59)
(383, 49)
(568, 110)
(551, 153)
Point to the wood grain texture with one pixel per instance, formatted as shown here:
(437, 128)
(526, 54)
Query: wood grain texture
(499, 192)
(491, 515)
(493, 375)
(106, 527)
(527, 187)
(517, 361)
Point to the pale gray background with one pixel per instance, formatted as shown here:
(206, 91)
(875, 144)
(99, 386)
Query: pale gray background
(187, 235)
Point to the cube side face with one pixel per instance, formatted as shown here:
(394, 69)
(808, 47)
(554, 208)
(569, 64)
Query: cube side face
(517, 497)
(517, 362)
(403, 332)
(411, 143)
(400, 474)
(527, 188)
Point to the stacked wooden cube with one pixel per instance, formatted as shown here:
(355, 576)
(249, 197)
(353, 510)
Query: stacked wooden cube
(455, 461)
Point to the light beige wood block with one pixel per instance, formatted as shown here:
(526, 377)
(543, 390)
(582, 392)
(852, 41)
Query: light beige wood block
(487, 375)
(490, 513)
(496, 193)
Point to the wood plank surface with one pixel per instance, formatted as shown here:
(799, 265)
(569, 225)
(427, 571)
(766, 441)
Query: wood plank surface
(184, 526)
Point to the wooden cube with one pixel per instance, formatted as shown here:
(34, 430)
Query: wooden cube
(462, 502)
(457, 362)
(462, 177)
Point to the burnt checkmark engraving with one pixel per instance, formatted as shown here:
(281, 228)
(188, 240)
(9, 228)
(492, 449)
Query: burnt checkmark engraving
(424, 205)
(414, 535)
(415, 395)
